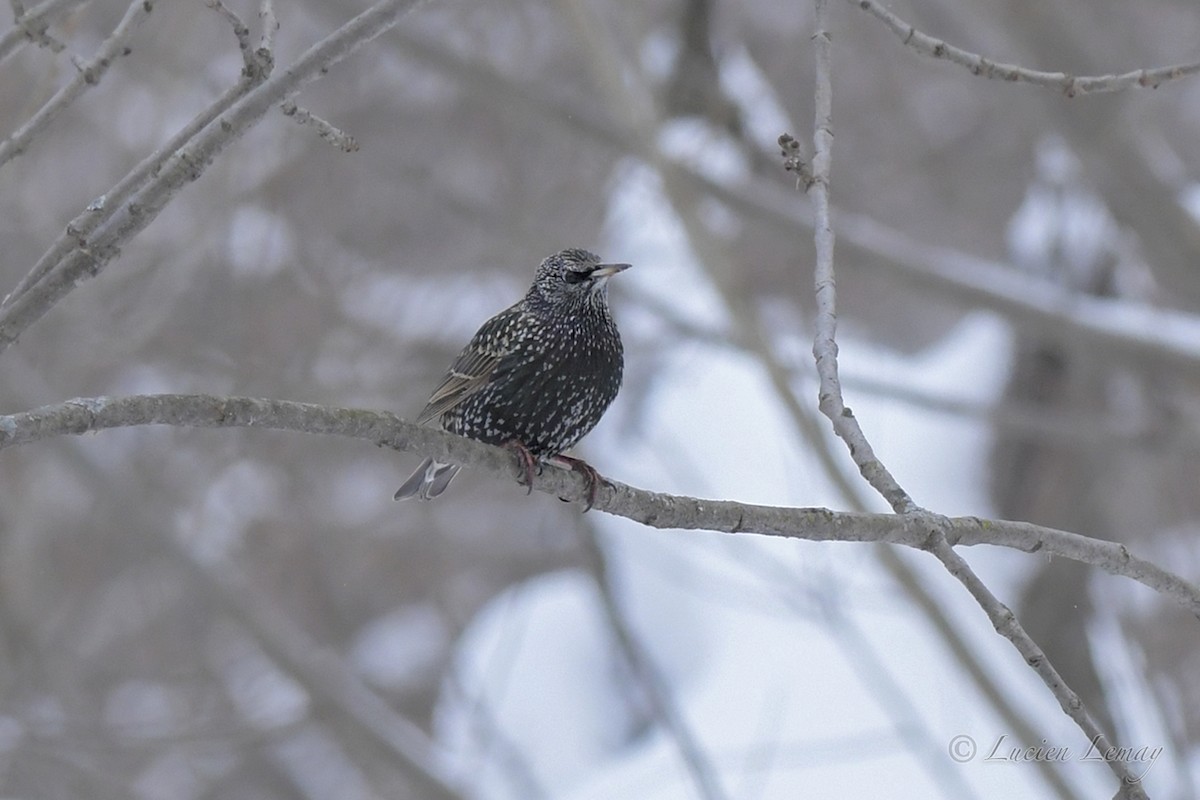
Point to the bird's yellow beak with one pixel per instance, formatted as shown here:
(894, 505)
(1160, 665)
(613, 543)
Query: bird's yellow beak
(608, 270)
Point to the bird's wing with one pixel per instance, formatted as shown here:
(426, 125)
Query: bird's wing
(475, 366)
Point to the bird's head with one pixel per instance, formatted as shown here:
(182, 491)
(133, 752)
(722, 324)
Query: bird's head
(574, 276)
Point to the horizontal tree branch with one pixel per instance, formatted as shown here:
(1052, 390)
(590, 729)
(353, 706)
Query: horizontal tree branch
(1070, 85)
(654, 509)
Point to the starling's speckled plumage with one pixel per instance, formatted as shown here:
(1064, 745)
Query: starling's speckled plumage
(539, 374)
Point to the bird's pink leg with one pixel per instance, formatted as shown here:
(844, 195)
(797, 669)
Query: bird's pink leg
(589, 473)
(527, 461)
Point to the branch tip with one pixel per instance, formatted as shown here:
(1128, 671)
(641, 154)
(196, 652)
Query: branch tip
(976, 64)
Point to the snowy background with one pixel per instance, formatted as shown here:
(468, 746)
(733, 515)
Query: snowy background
(242, 614)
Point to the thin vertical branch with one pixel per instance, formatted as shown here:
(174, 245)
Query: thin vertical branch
(825, 349)
(240, 29)
(270, 25)
(831, 403)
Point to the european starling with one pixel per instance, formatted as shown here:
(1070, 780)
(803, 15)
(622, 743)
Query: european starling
(536, 377)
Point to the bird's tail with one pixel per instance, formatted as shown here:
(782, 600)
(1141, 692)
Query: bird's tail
(430, 480)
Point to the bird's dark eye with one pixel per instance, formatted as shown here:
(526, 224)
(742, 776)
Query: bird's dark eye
(571, 276)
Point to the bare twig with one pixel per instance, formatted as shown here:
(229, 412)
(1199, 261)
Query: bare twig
(89, 75)
(794, 161)
(240, 29)
(34, 28)
(825, 343)
(335, 136)
(86, 415)
(88, 258)
(1070, 85)
(33, 24)
(270, 25)
(257, 64)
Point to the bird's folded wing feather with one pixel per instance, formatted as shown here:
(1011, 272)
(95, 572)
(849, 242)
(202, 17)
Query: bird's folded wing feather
(475, 366)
